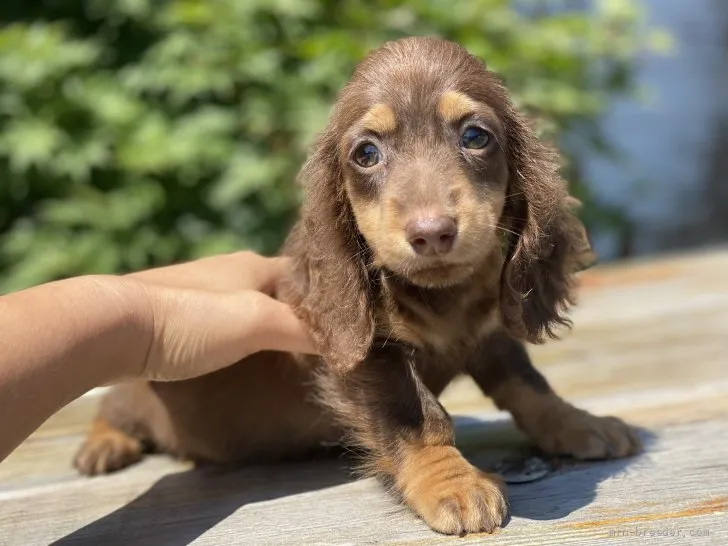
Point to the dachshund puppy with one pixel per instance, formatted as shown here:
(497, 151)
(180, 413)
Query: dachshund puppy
(435, 239)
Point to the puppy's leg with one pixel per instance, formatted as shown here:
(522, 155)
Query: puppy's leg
(409, 437)
(122, 431)
(503, 370)
(106, 449)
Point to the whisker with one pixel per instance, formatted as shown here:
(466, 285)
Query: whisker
(503, 228)
(506, 230)
(515, 194)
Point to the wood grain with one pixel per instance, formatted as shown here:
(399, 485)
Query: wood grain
(650, 345)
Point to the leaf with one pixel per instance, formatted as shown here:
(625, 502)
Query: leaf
(247, 173)
(30, 55)
(28, 142)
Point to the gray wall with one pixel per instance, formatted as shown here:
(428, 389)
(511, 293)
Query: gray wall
(674, 180)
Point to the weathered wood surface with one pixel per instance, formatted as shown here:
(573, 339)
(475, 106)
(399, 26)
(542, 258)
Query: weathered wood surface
(650, 344)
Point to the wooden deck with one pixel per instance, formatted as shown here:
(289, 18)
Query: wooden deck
(650, 345)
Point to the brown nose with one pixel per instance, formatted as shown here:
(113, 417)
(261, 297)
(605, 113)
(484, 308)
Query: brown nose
(431, 236)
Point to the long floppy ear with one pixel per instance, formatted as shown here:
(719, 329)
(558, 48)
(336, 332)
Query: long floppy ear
(546, 245)
(333, 296)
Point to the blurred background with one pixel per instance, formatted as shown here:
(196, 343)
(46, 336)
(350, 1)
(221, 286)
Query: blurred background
(140, 132)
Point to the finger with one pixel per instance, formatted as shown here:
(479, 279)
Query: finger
(275, 327)
(211, 273)
(266, 277)
(222, 273)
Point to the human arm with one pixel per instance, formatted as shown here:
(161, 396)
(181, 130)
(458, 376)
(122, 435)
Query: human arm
(63, 338)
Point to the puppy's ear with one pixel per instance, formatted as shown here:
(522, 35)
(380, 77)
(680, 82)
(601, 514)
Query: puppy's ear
(546, 243)
(333, 293)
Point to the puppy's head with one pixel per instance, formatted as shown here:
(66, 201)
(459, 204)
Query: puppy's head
(425, 169)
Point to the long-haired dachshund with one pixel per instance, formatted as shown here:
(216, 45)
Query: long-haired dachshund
(436, 237)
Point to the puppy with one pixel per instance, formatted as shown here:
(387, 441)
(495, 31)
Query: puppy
(436, 237)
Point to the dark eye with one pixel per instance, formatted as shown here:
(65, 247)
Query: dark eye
(474, 138)
(366, 155)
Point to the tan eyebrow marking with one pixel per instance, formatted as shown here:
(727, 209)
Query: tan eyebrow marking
(454, 106)
(380, 119)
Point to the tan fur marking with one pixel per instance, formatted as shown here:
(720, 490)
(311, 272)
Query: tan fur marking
(453, 106)
(368, 217)
(380, 119)
(106, 449)
(449, 493)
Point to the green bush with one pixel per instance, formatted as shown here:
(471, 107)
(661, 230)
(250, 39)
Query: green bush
(134, 133)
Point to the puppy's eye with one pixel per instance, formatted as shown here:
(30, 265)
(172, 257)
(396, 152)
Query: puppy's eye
(474, 138)
(367, 155)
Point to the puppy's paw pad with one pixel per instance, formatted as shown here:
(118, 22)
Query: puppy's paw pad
(107, 452)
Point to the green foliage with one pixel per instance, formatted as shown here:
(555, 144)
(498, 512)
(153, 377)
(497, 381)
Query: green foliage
(134, 133)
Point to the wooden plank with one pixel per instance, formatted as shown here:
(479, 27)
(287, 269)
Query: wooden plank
(316, 503)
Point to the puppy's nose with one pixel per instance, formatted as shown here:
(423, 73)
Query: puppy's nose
(431, 236)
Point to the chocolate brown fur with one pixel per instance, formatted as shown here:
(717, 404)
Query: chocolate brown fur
(395, 324)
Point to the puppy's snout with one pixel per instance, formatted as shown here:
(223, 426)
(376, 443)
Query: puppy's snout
(430, 236)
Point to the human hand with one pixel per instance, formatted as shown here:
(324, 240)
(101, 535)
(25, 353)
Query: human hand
(210, 313)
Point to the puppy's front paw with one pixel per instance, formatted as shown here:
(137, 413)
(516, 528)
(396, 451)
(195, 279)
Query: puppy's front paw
(450, 495)
(567, 430)
(105, 450)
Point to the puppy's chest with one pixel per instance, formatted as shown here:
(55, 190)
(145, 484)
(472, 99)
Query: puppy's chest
(444, 322)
